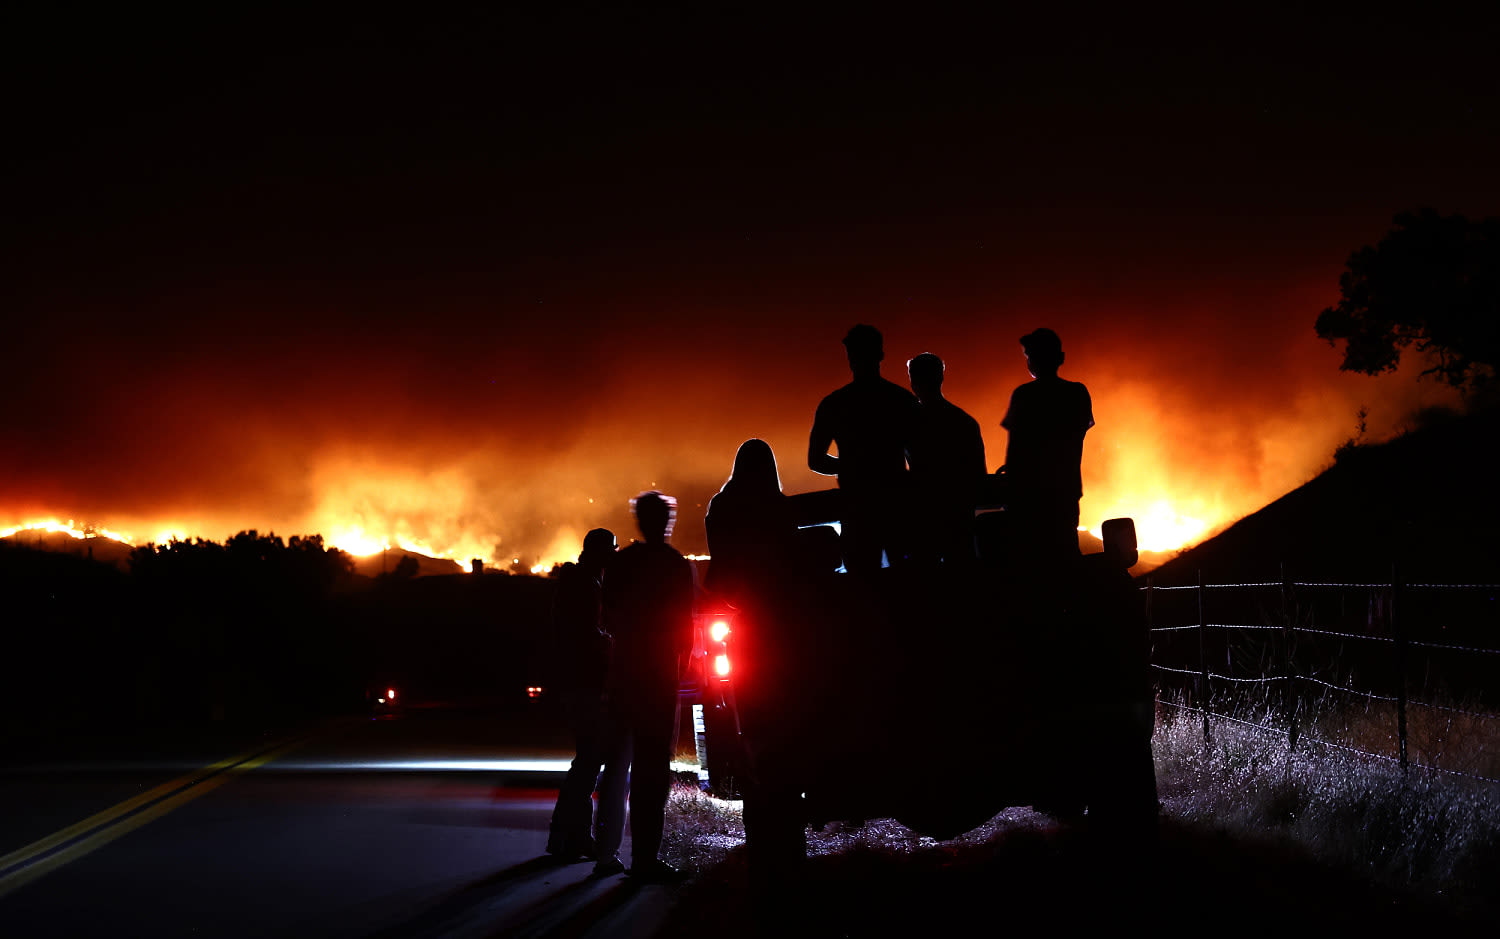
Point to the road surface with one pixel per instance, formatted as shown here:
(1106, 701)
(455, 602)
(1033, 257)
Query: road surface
(432, 824)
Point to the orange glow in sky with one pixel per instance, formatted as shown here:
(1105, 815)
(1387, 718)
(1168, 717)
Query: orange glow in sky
(1181, 468)
(557, 287)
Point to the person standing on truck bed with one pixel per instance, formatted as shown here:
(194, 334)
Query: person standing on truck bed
(869, 419)
(647, 595)
(1046, 423)
(580, 660)
(946, 452)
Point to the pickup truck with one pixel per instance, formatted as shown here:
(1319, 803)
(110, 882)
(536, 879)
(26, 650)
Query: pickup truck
(937, 696)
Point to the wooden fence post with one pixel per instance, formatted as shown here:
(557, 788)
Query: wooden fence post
(1290, 698)
(1148, 624)
(1400, 637)
(1202, 659)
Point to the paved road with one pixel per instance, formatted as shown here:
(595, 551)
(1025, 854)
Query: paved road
(432, 824)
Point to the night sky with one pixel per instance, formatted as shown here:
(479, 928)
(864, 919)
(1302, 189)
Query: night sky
(445, 282)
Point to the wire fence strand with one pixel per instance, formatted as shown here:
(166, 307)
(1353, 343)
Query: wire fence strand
(1344, 586)
(1483, 715)
(1385, 595)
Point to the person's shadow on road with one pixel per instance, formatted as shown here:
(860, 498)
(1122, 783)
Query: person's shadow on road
(521, 900)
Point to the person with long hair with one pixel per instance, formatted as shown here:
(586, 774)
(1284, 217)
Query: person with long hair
(750, 530)
(752, 543)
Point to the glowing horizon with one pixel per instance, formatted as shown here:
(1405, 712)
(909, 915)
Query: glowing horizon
(1181, 467)
(1159, 528)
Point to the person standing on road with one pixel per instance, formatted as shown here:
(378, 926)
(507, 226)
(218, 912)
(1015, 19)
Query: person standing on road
(580, 659)
(946, 453)
(868, 419)
(647, 598)
(752, 542)
(1046, 421)
(750, 529)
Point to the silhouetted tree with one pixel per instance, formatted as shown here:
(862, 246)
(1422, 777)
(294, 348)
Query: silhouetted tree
(1432, 281)
(406, 568)
(246, 621)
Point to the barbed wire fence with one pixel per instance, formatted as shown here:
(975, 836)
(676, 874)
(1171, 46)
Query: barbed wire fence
(1388, 633)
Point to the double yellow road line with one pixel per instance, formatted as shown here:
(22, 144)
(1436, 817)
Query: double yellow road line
(39, 858)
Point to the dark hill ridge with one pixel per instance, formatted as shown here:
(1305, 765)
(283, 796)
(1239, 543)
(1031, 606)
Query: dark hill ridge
(117, 553)
(371, 565)
(1425, 501)
(104, 550)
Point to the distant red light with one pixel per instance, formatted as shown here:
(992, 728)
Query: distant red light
(721, 665)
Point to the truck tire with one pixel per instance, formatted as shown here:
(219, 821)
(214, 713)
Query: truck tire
(720, 758)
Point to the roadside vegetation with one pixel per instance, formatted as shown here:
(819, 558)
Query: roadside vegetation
(1421, 831)
(1310, 834)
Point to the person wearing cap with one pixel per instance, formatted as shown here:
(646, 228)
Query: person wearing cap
(869, 420)
(946, 452)
(580, 658)
(1046, 422)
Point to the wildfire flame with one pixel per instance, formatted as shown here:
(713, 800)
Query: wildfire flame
(53, 526)
(1161, 528)
(353, 539)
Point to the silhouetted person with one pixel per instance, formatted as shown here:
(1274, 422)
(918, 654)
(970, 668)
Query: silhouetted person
(580, 660)
(946, 452)
(868, 419)
(1046, 421)
(751, 532)
(753, 545)
(648, 610)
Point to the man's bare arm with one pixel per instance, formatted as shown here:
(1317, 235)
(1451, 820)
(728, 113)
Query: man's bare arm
(819, 460)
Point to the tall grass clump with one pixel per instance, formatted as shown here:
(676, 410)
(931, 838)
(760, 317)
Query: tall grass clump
(699, 830)
(1422, 830)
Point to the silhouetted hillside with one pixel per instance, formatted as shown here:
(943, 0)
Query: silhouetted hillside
(372, 565)
(106, 550)
(117, 553)
(253, 630)
(447, 638)
(1425, 501)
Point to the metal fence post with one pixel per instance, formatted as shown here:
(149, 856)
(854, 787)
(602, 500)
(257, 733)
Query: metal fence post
(1400, 636)
(1202, 659)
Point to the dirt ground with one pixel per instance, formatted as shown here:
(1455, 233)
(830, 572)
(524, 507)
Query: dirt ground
(1059, 878)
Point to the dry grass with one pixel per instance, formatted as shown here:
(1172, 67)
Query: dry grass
(1425, 831)
(1300, 833)
(700, 830)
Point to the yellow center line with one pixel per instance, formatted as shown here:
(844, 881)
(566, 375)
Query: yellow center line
(192, 786)
(115, 811)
